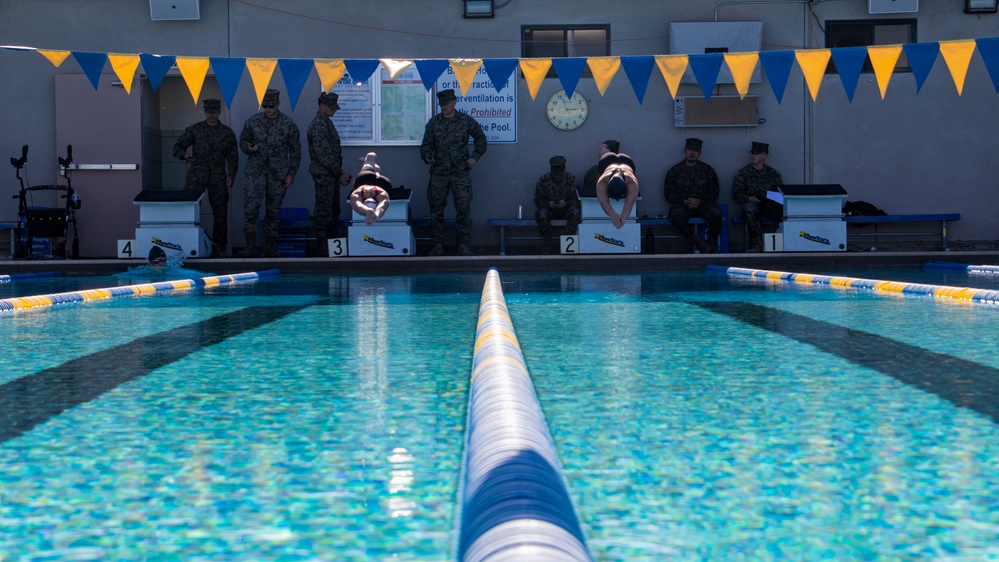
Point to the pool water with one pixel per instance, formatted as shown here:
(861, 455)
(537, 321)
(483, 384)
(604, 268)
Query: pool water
(697, 417)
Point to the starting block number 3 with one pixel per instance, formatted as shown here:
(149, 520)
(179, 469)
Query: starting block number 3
(126, 249)
(338, 247)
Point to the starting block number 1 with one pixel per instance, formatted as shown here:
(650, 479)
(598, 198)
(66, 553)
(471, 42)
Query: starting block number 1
(126, 249)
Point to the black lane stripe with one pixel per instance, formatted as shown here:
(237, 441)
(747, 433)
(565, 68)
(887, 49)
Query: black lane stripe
(33, 399)
(963, 383)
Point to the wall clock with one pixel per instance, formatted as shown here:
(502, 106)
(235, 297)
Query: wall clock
(565, 113)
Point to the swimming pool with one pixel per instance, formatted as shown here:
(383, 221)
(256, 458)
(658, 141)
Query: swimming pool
(696, 416)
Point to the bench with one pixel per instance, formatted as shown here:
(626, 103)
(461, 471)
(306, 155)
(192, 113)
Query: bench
(700, 225)
(503, 224)
(941, 218)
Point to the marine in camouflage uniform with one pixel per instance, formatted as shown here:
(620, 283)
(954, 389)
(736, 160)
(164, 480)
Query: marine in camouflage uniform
(555, 198)
(692, 190)
(273, 147)
(445, 148)
(754, 181)
(214, 160)
(326, 168)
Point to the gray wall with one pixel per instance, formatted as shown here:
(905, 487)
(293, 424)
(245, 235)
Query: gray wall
(907, 153)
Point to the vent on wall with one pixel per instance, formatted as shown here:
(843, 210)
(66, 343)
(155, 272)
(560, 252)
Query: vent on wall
(163, 10)
(892, 6)
(720, 111)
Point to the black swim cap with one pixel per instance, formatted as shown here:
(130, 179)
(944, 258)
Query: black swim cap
(617, 188)
(156, 253)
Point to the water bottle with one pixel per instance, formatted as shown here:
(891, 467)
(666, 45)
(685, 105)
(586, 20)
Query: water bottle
(520, 211)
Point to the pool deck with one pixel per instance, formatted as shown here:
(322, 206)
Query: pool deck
(783, 261)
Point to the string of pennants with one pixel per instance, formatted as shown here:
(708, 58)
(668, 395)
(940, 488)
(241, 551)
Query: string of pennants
(705, 68)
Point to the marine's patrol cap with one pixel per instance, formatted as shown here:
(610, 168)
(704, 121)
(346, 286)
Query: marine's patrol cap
(760, 148)
(445, 96)
(271, 97)
(330, 99)
(557, 162)
(694, 144)
(213, 106)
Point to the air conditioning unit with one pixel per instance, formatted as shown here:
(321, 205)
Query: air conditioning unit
(892, 6)
(165, 10)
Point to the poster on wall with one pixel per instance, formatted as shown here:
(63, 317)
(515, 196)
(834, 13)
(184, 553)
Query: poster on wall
(495, 111)
(354, 120)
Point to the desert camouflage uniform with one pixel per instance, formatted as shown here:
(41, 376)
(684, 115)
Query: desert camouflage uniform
(326, 167)
(216, 157)
(279, 154)
(700, 181)
(752, 182)
(547, 190)
(446, 141)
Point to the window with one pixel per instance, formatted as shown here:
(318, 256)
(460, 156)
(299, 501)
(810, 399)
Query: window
(383, 110)
(541, 41)
(860, 33)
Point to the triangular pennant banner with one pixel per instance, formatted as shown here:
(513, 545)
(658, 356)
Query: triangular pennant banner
(603, 70)
(296, 73)
(396, 66)
(464, 71)
(883, 58)
(849, 63)
(156, 67)
(921, 57)
(228, 73)
(706, 68)
(261, 71)
(777, 65)
(361, 69)
(741, 65)
(330, 72)
(569, 70)
(535, 71)
(957, 55)
(989, 49)
(193, 69)
(813, 65)
(430, 70)
(672, 68)
(92, 65)
(499, 71)
(124, 67)
(638, 70)
(55, 57)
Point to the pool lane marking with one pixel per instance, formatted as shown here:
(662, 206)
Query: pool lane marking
(965, 384)
(941, 291)
(33, 399)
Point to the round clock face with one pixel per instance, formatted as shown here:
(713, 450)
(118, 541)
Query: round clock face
(567, 113)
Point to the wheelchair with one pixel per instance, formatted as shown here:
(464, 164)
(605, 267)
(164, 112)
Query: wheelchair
(46, 222)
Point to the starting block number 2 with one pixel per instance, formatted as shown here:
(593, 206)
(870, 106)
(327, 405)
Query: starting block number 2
(568, 244)
(126, 249)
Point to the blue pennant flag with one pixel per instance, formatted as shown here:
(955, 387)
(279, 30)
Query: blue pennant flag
(706, 68)
(228, 73)
(430, 70)
(639, 70)
(777, 65)
(921, 57)
(156, 67)
(92, 65)
(569, 69)
(849, 63)
(499, 71)
(989, 49)
(361, 69)
(296, 73)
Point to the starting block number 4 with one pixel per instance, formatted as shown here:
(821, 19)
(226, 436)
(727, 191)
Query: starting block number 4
(338, 247)
(126, 249)
(568, 244)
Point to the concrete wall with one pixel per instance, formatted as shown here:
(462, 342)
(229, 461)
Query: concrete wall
(907, 153)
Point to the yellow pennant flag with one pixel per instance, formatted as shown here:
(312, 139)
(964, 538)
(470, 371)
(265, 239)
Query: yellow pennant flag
(535, 71)
(193, 69)
(395, 67)
(261, 71)
(330, 72)
(813, 63)
(124, 66)
(672, 67)
(957, 55)
(55, 57)
(603, 69)
(883, 59)
(742, 65)
(464, 70)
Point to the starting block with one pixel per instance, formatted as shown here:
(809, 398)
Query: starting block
(391, 235)
(597, 235)
(172, 221)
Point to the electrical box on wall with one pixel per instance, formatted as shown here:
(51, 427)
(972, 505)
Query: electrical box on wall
(719, 111)
(164, 10)
(892, 6)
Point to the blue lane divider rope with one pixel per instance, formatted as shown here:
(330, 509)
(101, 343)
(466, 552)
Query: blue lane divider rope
(22, 276)
(949, 266)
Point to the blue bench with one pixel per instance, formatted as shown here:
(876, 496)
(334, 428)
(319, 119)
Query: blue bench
(503, 224)
(941, 218)
(700, 225)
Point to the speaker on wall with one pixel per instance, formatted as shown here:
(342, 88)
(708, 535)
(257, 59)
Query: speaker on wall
(174, 10)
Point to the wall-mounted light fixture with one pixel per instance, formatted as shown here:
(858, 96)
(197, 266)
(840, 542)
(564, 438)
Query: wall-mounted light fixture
(483, 8)
(981, 6)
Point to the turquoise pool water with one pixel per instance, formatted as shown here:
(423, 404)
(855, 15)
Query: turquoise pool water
(311, 418)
